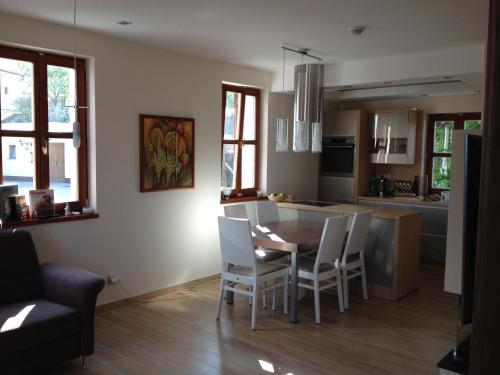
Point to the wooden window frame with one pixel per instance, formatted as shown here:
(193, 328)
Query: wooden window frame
(459, 120)
(238, 192)
(41, 134)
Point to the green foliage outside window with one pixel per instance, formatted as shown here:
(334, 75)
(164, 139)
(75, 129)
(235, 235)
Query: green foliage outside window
(472, 124)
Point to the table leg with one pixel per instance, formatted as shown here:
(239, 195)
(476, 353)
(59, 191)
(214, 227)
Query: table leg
(294, 288)
(229, 294)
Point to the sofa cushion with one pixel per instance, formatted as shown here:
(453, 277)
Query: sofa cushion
(34, 322)
(20, 277)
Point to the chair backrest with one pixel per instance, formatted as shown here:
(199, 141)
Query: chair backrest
(236, 243)
(332, 240)
(20, 277)
(267, 212)
(358, 233)
(238, 211)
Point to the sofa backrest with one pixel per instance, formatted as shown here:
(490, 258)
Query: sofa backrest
(20, 277)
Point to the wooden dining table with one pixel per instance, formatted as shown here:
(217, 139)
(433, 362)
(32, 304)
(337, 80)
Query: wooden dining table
(293, 237)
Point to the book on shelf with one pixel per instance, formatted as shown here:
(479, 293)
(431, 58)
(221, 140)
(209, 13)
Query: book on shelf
(19, 210)
(42, 203)
(5, 192)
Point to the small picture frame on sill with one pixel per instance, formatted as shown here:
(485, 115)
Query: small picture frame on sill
(166, 153)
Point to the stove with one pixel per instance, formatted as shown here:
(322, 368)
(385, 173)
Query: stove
(315, 203)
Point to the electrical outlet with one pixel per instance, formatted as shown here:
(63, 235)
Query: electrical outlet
(113, 279)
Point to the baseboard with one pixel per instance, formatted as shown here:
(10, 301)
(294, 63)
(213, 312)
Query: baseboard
(154, 293)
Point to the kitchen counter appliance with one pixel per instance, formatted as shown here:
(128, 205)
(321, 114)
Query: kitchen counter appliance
(337, 158)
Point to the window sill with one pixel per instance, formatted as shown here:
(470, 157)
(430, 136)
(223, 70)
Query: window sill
(242, 199)
(58, 219)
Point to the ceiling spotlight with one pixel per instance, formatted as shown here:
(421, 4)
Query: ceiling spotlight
(357, 30)
(124, 23)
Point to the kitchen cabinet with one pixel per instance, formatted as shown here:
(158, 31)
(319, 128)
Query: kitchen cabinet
(341, 123)
(392, 136)
(433, 233)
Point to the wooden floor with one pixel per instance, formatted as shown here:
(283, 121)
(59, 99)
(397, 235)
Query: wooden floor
(182, 337)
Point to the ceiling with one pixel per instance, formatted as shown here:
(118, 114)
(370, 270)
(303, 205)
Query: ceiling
(251, 32)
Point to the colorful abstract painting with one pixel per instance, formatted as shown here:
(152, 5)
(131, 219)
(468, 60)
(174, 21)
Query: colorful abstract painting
(167, 152)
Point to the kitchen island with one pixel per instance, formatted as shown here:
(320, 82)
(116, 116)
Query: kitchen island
(392, 253)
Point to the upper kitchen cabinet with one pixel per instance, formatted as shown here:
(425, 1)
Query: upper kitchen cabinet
(392, 136)
(341, 123)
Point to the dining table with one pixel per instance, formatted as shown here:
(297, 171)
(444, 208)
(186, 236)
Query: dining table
(293, 237)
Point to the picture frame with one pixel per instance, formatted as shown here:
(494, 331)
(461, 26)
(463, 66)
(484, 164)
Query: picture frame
(167, 152)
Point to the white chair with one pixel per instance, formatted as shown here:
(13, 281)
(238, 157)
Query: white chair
(323, 272)
(353, 260)
(239, 211)
(239, 266)
(267, 212)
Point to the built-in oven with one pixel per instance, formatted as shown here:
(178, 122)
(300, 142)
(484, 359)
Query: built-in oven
(337, 156)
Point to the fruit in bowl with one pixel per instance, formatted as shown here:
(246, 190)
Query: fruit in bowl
(277, 197)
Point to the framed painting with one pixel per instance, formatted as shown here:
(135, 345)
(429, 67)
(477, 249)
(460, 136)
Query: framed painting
(167, 152)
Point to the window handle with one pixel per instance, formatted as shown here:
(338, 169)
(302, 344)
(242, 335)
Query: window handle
(45, 147)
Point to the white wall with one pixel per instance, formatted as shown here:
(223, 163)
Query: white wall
(289, 172)
(150, 240)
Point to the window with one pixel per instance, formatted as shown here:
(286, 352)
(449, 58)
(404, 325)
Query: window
(36, 128)
(12, 152)
(240, 140)
(439, 145)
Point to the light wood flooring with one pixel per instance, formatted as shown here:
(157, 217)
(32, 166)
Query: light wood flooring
(182, 337)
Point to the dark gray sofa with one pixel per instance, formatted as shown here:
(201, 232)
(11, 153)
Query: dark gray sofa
(46, 311)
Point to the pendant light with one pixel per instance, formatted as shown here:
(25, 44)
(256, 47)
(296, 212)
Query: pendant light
(308, 105)
(76, 123)
(317, 124)
(282, 122)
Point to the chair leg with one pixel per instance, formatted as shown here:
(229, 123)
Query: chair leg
(274, 299)
(84, 363)
(221, 297)
(363, 280)
(316, 301)
(285, 296)
(254, 306)
(345, 283)
(339, 293)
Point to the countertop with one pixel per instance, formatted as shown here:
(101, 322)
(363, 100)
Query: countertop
(404, 200)
(351, 209)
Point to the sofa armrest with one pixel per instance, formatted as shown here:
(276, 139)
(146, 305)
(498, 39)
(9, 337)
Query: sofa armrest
(77, 288)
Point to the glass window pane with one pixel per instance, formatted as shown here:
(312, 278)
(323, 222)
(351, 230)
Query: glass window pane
(18, 162)
(441, 172)
(63, 170)
(232, 110)
(442, 136)
(16, 82)
(472, 124)
(229, 166)
(60, 95)
(248, 167)
(249, 118)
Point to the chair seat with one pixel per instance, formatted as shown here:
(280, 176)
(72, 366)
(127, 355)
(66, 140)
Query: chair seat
(266, 255)
(34, 322)
(307, 264)
(262, 269)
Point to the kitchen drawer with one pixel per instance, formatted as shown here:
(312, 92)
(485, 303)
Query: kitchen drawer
(288, 214)
(434, 220)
